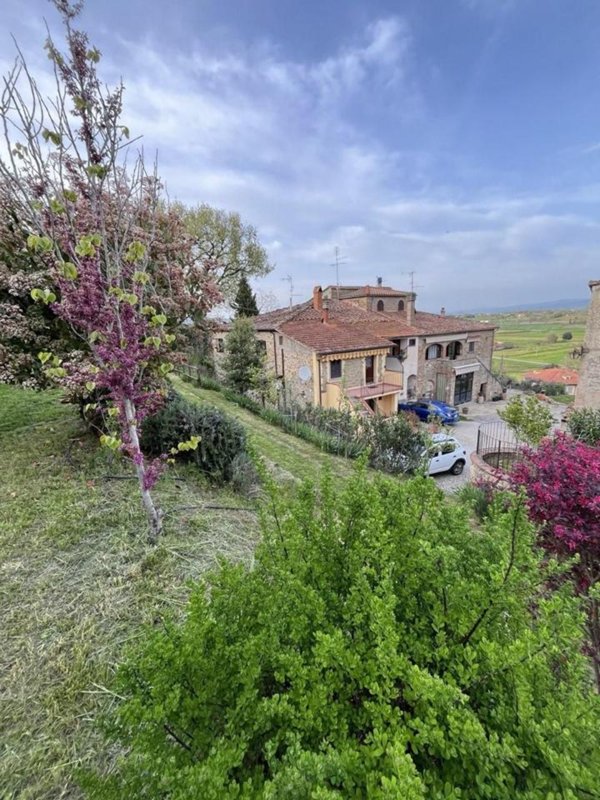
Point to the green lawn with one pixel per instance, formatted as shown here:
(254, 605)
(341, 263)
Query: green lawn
(281, 450)
(527, 333)
(78, 583)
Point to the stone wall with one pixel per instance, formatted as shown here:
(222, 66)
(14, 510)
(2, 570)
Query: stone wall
(428, 370)
(588, 389)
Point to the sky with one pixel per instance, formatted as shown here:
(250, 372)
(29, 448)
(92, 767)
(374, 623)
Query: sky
(457, 140)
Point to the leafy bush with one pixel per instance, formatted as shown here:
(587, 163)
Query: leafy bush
(222, 438)
(567, 336)
(528, 418)
(379, 649)
(584, 425)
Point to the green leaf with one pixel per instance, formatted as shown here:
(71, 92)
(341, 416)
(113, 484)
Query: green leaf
(69, 270)
(135, 252)
(159, 319)
(51, 136)
(90, 386)
(141, 277)
(44, 356)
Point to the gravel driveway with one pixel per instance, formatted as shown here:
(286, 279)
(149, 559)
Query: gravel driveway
(466, 433)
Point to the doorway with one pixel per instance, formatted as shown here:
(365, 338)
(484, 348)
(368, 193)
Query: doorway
(370, 369)
(463, 388)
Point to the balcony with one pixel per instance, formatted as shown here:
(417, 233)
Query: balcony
(373, 390)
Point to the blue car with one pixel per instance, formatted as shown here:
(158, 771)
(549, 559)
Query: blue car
(429, 410)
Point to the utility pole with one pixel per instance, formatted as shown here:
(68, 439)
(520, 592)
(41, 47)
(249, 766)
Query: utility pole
(336, 264)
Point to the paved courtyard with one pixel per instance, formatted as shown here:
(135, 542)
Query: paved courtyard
(466, 433)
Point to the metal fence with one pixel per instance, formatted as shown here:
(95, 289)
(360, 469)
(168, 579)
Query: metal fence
(497, 445)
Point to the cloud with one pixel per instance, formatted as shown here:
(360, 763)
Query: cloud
(285, 142)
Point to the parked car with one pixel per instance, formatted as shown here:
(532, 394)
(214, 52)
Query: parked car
(429, 410)
(446, 454)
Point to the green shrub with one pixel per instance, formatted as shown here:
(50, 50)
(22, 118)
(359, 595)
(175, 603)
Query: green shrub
(222, 438)
(584, 425)
(379, 648)
(394, 444)
(567, 336)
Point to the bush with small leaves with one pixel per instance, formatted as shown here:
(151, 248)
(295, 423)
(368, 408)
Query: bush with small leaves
(567, 336)
(584, 425)
(379, 648)
(221, 438)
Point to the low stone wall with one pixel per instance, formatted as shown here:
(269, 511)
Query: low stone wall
(481, 471)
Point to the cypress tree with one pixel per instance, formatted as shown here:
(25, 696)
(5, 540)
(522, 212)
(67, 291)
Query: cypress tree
(245, 299)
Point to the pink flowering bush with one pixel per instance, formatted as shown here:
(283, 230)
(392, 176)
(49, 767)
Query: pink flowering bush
(561, 480)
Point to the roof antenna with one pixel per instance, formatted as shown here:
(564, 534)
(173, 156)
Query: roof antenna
(290, 280)
(412, 274)
(336, 264)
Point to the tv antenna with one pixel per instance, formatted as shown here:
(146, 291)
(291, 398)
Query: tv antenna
(336, 264)
(413, 285)
(290, 280)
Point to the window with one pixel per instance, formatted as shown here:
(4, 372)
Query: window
(433, 351)
(400, 305)
(262, 346)
(281, 340)
(370, 369)
(335, 369)
(380, 305)
(453, 350)
(412, 342)
(220, 345)
(448, 447)
(471, 347)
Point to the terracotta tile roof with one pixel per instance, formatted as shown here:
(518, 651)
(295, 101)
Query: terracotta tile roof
(554, 375)
(376, 291)
(334, 337)
(437, 323)
(351, 327)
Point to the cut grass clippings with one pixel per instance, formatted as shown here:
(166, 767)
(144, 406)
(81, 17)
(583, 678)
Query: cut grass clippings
(78, 583)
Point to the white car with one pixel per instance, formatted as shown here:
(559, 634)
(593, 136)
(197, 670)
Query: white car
(446, 454)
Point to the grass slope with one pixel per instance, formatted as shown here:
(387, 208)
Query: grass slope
(280, 449)
(78, 583)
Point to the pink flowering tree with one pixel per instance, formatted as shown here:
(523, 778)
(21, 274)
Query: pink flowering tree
(561, 479)
(95, 219)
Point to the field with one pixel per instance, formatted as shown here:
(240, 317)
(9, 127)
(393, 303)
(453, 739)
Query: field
(526, 335)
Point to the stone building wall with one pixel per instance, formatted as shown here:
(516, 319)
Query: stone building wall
(588, 389)
(429, 370)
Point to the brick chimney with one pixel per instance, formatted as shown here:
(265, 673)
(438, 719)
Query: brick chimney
(325, 311)
(379, 281)
(317, 298)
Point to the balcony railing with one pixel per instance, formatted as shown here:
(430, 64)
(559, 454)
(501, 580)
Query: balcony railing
(373, 390)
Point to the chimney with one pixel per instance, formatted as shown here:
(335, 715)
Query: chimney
(410, 307)
(317, 298)
(326, 311)
(442, 312)
(379, 281)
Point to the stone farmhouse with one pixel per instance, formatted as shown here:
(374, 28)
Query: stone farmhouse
(369, 347)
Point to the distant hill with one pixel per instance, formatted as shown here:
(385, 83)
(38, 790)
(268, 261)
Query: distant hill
(551, 305)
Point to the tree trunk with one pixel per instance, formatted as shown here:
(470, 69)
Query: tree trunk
(154, 514)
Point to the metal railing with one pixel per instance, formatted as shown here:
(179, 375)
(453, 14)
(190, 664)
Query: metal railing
(497, 445)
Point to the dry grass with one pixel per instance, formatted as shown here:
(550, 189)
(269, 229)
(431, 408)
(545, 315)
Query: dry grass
(78, 583)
